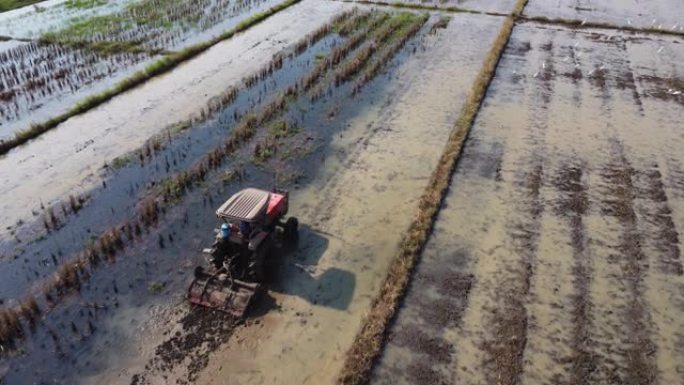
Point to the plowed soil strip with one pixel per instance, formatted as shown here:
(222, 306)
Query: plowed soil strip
(649, 185)
(574, 205)
(510, 320)
(619, 203)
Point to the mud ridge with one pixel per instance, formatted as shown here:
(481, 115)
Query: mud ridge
(650, 186)
(619, 203)
(510, 320)
(573, 205)
(201, 332)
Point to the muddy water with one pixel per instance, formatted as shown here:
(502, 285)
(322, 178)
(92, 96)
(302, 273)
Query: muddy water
(660, 14)
(356, 206)
(72, 155)
(557, 255)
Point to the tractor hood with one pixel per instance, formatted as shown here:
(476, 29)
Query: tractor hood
(246, 205)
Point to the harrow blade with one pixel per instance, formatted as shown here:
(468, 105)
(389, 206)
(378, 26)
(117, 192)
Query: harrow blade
(231, 296)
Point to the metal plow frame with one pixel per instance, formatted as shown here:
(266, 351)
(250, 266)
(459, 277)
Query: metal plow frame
(231, 296)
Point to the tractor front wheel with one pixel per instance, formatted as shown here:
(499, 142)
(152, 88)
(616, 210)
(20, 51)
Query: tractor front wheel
(291, 229)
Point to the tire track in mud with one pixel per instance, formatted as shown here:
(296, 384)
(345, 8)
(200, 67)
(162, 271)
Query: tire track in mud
(574, 204)
(618, 202)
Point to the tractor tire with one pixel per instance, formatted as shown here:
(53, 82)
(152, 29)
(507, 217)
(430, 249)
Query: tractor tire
(258, 271)
(259, 262)
(291, 230)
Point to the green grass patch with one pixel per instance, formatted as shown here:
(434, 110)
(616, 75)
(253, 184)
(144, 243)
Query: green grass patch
(155, 287)
(122, 161)
(82, 29)
(7, 5)
(282, 129)
(84, 4)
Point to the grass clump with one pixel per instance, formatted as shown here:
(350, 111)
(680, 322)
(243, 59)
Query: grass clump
(28, 308)
(442, 23)
(371, 336)
(282, 128)
(84, 4)
(155, 287)
(10, 328)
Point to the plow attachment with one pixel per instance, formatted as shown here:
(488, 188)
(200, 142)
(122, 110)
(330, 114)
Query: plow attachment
(218, 292)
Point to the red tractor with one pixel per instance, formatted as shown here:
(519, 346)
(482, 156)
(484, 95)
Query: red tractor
(251, 225)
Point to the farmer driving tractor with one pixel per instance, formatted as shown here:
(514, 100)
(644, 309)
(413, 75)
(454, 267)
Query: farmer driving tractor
(252, 224)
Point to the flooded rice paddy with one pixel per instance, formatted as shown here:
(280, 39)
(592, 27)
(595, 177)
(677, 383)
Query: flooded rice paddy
(124, 124)
(123, 328)
(555, 258)
(81, 51)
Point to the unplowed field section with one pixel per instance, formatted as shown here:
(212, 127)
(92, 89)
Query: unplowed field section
(556, 258)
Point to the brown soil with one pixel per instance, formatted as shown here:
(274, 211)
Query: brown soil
(200, 332)
(650, 187)
(511, 320)
(413, 337)
(619, 202)
(422, 373)
(573, 205)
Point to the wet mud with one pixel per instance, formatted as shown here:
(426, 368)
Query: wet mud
(566, 216)
(148, 259)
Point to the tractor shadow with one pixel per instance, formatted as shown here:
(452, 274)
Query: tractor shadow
(295, 272)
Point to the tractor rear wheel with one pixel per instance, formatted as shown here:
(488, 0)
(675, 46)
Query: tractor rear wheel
(291, 229)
